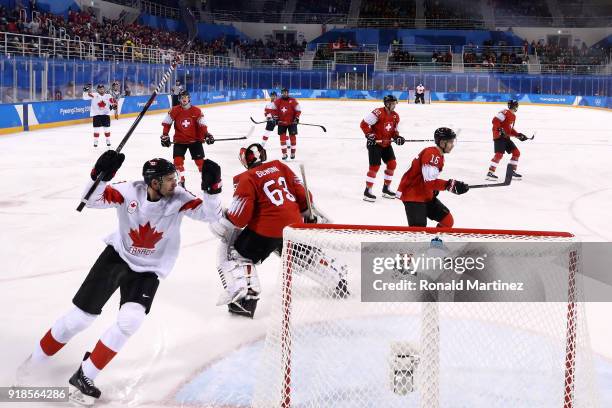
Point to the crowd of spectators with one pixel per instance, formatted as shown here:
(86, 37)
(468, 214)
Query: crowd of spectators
(322, 6)
(384, 13)
(401, 59)
(455, 14)
(273, 52)
(83, 26)
(581, 59)
(527, 11)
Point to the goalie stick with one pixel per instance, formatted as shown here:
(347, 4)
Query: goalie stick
(190, 22)
(506, 182)
(324, 219)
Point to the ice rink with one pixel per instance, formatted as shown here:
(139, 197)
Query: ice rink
(47, 247)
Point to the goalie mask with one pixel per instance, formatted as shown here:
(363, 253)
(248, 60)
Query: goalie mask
(253, 155)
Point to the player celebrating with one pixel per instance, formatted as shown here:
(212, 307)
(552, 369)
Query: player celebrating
(419, 95)
(288, 111)
(142, 250)
(271, 118)
(420, 185)
(101, 106)
(380, 128)
(503, 129)
(268, 196)
(190, 131)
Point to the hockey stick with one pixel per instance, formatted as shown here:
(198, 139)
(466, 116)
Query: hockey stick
(256, 122)
(506, 182)
(312, 124)
(192, 28)
(308, 203)
(222, 140)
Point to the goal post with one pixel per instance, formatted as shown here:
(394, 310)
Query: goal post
(328, 344)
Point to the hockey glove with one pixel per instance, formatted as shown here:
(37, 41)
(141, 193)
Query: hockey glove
(399, 140)
(521, 137)
(86, 88)
(210, 139)
(457, 187)
(296, 121)
(165, 141)
(502, 132)
(109, 162)
(211, 177)
(371, 139)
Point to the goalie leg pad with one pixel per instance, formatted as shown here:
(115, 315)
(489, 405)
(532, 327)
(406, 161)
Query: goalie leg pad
(239, 279)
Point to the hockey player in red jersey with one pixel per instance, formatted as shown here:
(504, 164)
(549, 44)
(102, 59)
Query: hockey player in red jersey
(268, 196)
(288, 111)
(271, 118)
(503, 129)
(420, 185)
(142, 250)
(380, 129)
(190, 131)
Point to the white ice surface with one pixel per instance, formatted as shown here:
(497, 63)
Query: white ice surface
(47, 247)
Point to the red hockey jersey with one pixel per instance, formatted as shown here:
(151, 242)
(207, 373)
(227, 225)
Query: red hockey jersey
(267, 199)
(189, 124)
(287, 110)
(504, 119)
(383, 124)
(421, 180)
(270, 111)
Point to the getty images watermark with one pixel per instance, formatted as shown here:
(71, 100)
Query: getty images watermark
(478, 272)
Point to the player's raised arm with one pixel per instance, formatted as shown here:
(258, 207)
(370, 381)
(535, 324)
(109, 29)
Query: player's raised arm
(105, 196)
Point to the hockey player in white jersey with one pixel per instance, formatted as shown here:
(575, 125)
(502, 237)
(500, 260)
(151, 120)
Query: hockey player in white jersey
(101, 106)
(142, 250)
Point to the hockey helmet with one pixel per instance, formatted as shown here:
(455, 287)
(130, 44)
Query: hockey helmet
(513, 104)
(444, 133)
(253, 155)
(100, 88)
(155, 169)
(388, 99)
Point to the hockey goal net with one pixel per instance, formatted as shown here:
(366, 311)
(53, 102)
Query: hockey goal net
(326, 347)
(412, 96)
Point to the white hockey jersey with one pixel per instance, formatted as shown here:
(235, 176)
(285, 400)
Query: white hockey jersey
(420, 89)
(100, 104)
(148, 238)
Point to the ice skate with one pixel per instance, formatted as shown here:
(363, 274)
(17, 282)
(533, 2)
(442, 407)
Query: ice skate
(82, 389)
(367, 196)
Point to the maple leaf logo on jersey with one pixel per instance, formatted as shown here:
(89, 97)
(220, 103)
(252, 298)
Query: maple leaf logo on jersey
(144, 240)
(101, 104)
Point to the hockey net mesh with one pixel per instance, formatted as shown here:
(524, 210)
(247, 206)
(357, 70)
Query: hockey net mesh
(326, 348)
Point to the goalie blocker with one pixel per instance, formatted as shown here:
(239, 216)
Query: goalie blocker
(268, 197)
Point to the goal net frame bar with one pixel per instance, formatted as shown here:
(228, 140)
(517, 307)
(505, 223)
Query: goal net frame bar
(571, 327)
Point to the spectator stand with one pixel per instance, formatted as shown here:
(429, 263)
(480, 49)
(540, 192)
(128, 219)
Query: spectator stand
(411, 57)
(495, 58)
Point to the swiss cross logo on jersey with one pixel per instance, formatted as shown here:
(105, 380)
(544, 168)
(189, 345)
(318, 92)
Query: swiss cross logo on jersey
(101, 104)
(388, 126)
(144, 239)
(283, 109)
(186, 123)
